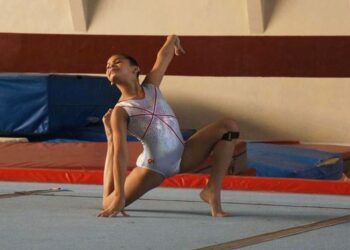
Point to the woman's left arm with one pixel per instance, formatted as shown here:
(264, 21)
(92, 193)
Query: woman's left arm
(164, 57)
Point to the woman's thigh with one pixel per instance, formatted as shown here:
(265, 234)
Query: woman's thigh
(199, 146)
(140, 181)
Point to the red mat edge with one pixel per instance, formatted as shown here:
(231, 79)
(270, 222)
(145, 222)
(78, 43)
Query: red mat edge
(244, 183)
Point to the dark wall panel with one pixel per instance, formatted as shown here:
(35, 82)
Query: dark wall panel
(292, 56)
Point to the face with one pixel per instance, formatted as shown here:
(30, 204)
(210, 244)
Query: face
(118, 69)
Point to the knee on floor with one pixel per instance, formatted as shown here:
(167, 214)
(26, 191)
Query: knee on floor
(229, 124)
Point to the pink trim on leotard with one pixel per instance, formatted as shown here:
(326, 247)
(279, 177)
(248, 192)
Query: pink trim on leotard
(153, 114)
(170, 128)
(154, 109)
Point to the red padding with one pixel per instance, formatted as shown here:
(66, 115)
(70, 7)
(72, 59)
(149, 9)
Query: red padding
(184, 181)
(52, 175)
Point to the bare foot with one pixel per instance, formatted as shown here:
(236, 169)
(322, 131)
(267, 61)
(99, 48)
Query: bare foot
(214, 202)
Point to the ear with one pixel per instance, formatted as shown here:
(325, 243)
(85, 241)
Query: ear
(137, 70)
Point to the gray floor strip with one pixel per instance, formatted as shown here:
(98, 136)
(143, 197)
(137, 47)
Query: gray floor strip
(223, 202)
(29, 192)
(277, 234)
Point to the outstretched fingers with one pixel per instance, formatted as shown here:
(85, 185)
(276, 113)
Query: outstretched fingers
(178, 48)
(109, 213)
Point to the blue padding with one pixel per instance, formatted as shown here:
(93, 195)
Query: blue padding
(95, 134)
(187, 133)
(23, 104)
(57, 108)
(45, 104)
(274, 160)
(79, 101)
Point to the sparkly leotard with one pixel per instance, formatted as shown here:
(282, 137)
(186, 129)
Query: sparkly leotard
(153, 122)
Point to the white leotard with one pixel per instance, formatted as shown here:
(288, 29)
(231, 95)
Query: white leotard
(153, 122)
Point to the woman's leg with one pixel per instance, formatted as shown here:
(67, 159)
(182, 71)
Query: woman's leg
(139, 182)
(197, 149)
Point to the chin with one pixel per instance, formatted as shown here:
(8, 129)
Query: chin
(112, 80)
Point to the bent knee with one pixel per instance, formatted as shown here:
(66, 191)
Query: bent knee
(229, 124)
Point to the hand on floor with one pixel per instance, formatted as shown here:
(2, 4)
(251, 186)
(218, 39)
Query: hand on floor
(115, 207)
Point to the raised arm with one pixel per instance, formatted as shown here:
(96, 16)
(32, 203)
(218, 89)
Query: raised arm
(115, 201)
(164, 56)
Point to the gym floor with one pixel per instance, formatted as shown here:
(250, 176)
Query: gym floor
(166, 218)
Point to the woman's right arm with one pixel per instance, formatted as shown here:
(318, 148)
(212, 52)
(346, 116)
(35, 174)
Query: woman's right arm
(118, 159)
(120, 155)
(164, 57)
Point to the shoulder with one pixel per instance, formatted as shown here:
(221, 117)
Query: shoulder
(119, 116)
(119, 111)
(151, 88)
(147, 85)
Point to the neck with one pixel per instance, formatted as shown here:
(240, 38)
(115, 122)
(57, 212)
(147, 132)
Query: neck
(130, 89)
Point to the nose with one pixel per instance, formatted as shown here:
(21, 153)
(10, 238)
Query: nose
(109, 68)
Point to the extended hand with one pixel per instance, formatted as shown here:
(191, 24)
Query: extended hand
(178, 48)
(115, 207)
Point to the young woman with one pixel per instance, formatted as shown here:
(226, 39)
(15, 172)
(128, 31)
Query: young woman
(143, 112)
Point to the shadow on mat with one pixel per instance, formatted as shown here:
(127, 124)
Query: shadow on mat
(312, 216)
(286, 216)
(166, 212)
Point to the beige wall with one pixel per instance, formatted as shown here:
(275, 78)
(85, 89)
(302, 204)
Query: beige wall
(35, 16)
(306, 109)
(184, 17)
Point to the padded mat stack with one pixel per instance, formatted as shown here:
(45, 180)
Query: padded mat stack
(47, 106)
(52, 109)
(288, 161)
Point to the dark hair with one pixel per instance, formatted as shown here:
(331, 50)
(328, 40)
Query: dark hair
(131, 60)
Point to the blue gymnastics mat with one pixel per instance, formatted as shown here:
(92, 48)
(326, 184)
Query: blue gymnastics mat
(40, 104)
(273, 160)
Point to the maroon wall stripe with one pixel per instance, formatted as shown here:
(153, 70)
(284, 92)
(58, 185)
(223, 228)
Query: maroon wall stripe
(293, 56)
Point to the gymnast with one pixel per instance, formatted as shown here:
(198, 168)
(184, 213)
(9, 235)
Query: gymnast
(143, 112)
